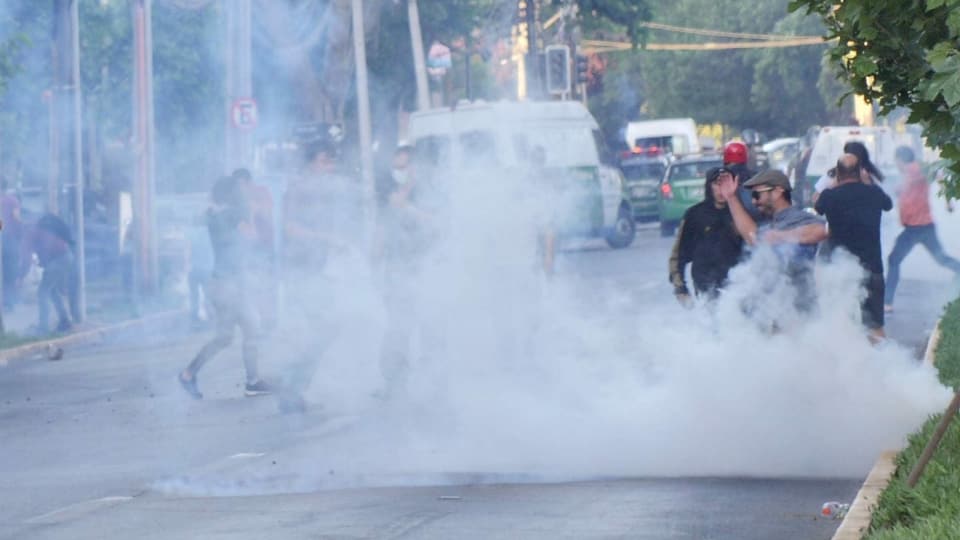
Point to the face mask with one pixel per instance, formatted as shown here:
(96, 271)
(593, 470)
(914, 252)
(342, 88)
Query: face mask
(399, 176)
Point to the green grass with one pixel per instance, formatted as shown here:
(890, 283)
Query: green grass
(932, 509)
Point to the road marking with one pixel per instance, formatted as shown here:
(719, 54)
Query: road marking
(247, 455)
(74, 511)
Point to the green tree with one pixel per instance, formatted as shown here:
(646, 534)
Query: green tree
(901, 54)
(785, 94)
(711, 86)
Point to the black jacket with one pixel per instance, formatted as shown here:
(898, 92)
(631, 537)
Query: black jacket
(708, 239)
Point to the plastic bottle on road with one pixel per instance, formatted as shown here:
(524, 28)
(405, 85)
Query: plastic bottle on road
(834, 510)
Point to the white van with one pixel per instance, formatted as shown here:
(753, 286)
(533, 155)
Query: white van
(669, 135)
(503, 134)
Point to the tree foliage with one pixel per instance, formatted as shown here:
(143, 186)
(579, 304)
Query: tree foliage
(901, 54)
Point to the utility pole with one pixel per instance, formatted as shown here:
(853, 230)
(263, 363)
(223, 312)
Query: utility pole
(534, 88)
(419, 64)
(68, 133)
(144, 183)
(239, 143)
(363, 108)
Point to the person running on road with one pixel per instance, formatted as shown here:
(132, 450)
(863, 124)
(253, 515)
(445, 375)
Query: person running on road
(853, 210)
(918, 227)
(708, 239)
(792, 233)
(226, 218)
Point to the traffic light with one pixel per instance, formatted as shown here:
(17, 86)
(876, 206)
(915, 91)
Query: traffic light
(582, 68)
(558, 69)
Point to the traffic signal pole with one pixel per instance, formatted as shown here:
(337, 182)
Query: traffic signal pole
(145, 242)
(363, 109)
(534, 90)
(68, 134)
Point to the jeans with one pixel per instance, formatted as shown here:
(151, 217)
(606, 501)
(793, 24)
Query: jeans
(59, 280)
(233, 309)
(908, 238)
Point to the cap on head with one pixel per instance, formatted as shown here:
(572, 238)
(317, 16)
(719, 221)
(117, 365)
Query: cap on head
(734, 152)
(771, 178)
(715, 173)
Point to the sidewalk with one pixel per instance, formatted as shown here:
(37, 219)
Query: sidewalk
(106, 305)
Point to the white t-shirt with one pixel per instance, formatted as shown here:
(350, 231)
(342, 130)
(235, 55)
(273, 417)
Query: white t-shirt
(824, 183)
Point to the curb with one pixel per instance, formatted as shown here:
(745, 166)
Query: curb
(857, 521)
(28, 350)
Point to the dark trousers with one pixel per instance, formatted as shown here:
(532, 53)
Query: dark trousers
(906, 241)
(232, 308)
(58, 281)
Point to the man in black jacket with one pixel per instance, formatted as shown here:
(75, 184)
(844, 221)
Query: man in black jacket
(708, 239)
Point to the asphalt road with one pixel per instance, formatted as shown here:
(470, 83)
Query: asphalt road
(103, 444)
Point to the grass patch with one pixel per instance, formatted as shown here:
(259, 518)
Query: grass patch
(932, 509)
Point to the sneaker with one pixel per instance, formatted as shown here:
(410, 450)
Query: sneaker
(258, 388)
(190, 386)
(888, 308)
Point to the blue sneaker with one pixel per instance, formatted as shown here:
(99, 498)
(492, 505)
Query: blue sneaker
(190, 386)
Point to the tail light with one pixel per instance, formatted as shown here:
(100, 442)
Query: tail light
(666, 190)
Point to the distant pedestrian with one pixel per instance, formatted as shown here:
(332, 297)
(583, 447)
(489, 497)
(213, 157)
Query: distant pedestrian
(323, 234)
(263, 264)
(918, 228)
(792, 234)
(707, 240)
(853, 210)
(50, 239)
(228, 288)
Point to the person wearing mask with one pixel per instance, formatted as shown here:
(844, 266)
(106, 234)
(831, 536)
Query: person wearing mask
(918, 228)
(869, 173)
(227, 219)
(792, 234)
(853, 210)
(706, 239)
(404, 235)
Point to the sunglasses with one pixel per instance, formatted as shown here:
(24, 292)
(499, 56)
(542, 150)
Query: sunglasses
(756, 193)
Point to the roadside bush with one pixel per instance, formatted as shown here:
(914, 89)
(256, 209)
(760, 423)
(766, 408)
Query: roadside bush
(932, 509)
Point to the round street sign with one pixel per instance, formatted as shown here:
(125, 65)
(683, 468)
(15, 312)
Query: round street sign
(243, 113)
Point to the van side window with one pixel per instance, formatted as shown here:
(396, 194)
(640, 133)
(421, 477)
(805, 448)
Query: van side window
(478, 148)
(433, 150)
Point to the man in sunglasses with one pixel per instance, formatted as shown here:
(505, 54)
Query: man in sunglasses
(792, 233)
(707, 239)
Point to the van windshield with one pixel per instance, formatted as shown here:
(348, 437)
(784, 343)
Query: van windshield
(562, 146)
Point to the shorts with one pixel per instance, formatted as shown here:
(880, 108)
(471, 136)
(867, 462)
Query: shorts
(871, 309)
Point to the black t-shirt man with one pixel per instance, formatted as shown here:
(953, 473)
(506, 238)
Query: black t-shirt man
(853, 212)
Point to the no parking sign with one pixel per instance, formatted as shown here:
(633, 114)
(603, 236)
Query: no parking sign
(243, 113)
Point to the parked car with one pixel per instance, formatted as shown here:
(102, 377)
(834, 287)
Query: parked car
(781, 151)
(643, 174)
(682, 187)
